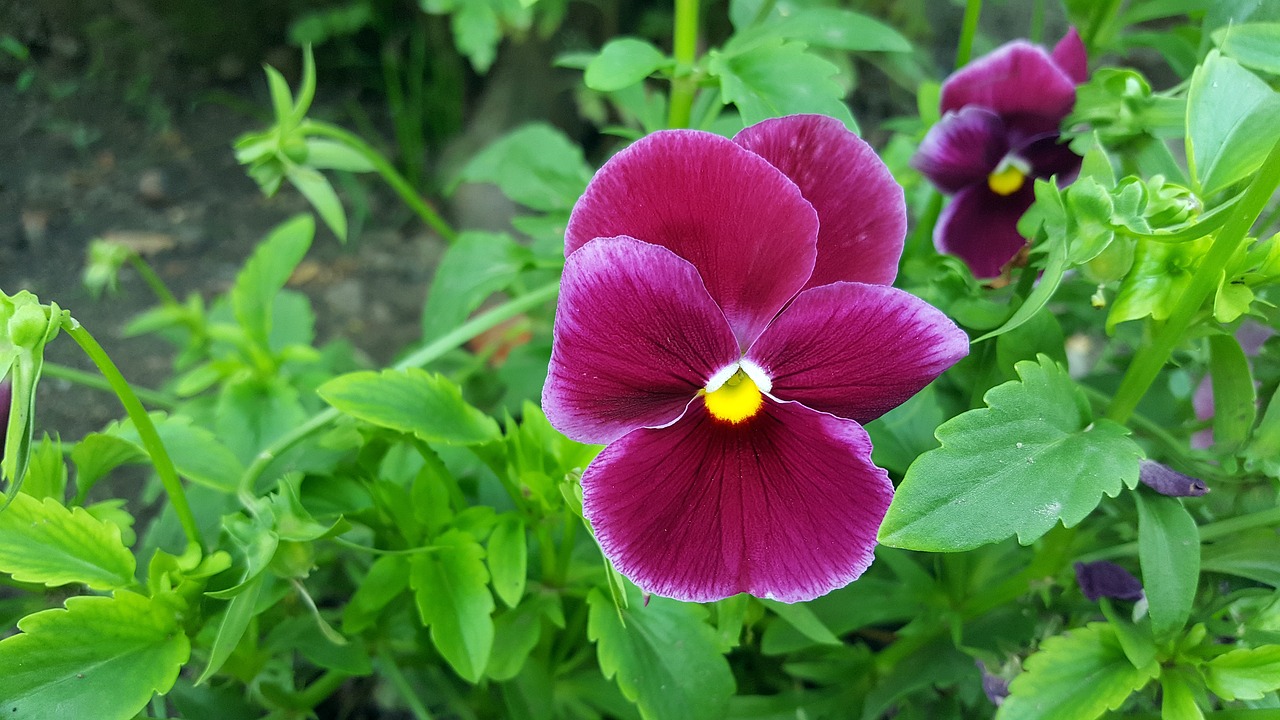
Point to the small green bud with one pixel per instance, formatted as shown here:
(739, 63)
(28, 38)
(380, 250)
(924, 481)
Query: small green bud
(29, 325)
(293, 559)
(295, 148)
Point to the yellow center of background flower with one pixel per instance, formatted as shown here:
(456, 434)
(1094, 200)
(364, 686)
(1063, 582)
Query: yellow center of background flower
(736, 400)
(1006, 180)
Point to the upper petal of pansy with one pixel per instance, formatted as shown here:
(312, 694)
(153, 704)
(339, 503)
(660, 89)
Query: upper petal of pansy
(1070, 55)
(1020, 82)
(861, 212)
(1049, 155)
(636, 337)
(785, 505)
(738, 219)
(963, 148)
(981, 227)
(856, 350)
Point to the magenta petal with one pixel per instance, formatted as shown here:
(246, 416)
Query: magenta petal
(1069, 54)
(856, 351)
(1019, 82)
(741, 222)
(981, 227)
(963, 148)
(636, 337)
(861, 213)
(785, 505)
(1051, 155)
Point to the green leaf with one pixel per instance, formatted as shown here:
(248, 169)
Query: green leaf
(388, 576)
(100, 658)
(1033, 457)
(1177, 698)
(1169, 551)
(315, 187)
(508, 558)
(623, 62)
(663, 655)
(266, 273)
(1264, 448)
(43, 542)
(1254, 555)
(800, 617)
(100, 453)
(281, 96)
(451, 586)
(476, 266)
(779, 78)
(1230, 123)
(46, 471)
(235, 622)
(516, 633)
(324, 154)
(1076, 676)
(1244, 674)
(1161, 272)
(1256, 45)
(1235, 401)
(197, 453)
(412, 401)
(535, 165)
(840, 30)
(1135, 638)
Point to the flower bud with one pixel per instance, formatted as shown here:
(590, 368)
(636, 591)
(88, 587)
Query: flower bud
(6, 401)
(1167, 481)
(1107, 579)
(29, 325)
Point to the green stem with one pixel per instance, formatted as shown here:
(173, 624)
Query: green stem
(153, 281)
(1037, 22)
(685, 48)
(968, 28)
(146, 429)
(79, 377)
(1151, 358)
(1212, 531)
(324, 686)
(450, 341)
(388, 666)
(388, 172)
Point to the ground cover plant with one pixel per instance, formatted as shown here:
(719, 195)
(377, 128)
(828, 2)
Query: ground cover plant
(743, 417)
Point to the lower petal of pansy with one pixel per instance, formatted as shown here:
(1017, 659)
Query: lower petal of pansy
(636, 337)
(785, 505)
(963, 148)
(981, 227)
(855, 350)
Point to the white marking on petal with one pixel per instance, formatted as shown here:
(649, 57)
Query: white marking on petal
(721, 376)
(757, 375)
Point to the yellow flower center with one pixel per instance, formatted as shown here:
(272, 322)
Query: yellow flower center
(736, 400)
(1007, 179)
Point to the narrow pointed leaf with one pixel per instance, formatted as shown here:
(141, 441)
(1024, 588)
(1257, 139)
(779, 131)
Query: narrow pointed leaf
(266, 274)
(315, 187)
(1169, 550)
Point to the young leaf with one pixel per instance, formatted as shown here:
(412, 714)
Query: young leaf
(1230, 123)
(1076, 676)
(198, 454)
(778, 78)
(388, 576)
(508, 558)
(535, 165)
(266, 273)
(235, 621)
(411, 401)
(1033, 457)
(1177, 698)
(473, 268)
(840, 30)
(1244, 674)
(1235, 401)
(100, 658)
(623, 62)
(325, 154)
(1169, 550)
(46, 471)
(43, 542)
(451, 586)
(100, 453)
(315, 187)
(663, 655)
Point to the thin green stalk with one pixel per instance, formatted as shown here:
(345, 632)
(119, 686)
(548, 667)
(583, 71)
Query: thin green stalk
(316, 693)
(1037, 22)
(968, 28)
(80, 377)
(401, 683)
(1208, 533)
(153, 280)
(146, 429)
(685, 48)
(1149, 359)
(388, 172)
(450, 341)
(1272, 216)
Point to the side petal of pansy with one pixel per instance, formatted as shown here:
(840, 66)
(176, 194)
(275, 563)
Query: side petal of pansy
(962, 149)
(856, 350)
(636, 337)
(738, 219)
(785, 505)
(981, 227)
(861, 212)
(1018, 81)
(1069, 54)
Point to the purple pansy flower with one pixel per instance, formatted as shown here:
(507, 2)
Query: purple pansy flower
(1106, 579)
(998, 132)
(725, 327)
(6, 401)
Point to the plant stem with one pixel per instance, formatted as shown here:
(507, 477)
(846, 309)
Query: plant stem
(389, 668)
(146, 429)
(1037, 21)
(1149, 359)
(1212, 531)
(450, 341)
(388, 172)
(684, 43)
(79, 377)
(968, 28)
(153, 280)
(318, 691)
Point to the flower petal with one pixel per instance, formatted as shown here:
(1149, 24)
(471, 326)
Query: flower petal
(861, 212)
(1069, 54)
(855, 350)
(741, 222)
(1049, 155)
(981, 227)
(1019, 82)
(785, 505)
(962, 149)
(636, 337)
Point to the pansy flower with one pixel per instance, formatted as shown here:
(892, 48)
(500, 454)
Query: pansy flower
(725, 328)
(998, 132)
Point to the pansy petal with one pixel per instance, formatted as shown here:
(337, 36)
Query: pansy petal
(861, 213)
(981, 227)
(1019, 82)
(785, 505)
(1050, 155)
(1069, 54)
(962, 149)
(636, 337)
(855, 350)
(738, 219)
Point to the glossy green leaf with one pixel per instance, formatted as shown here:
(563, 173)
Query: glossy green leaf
(508, 558)
(266, 273)
(623, 62)
(1230, 123)
(1235, 401)
(663, 655)
(1033, 457)
(779, 78)
(1169, 551)
(1244, 674)
(318, 191)
(100, 658)
(451, 586)
(1256, 45)
(535, 165)
(411, 401)
(43, 542)
(1075, 676)
(473, 268)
